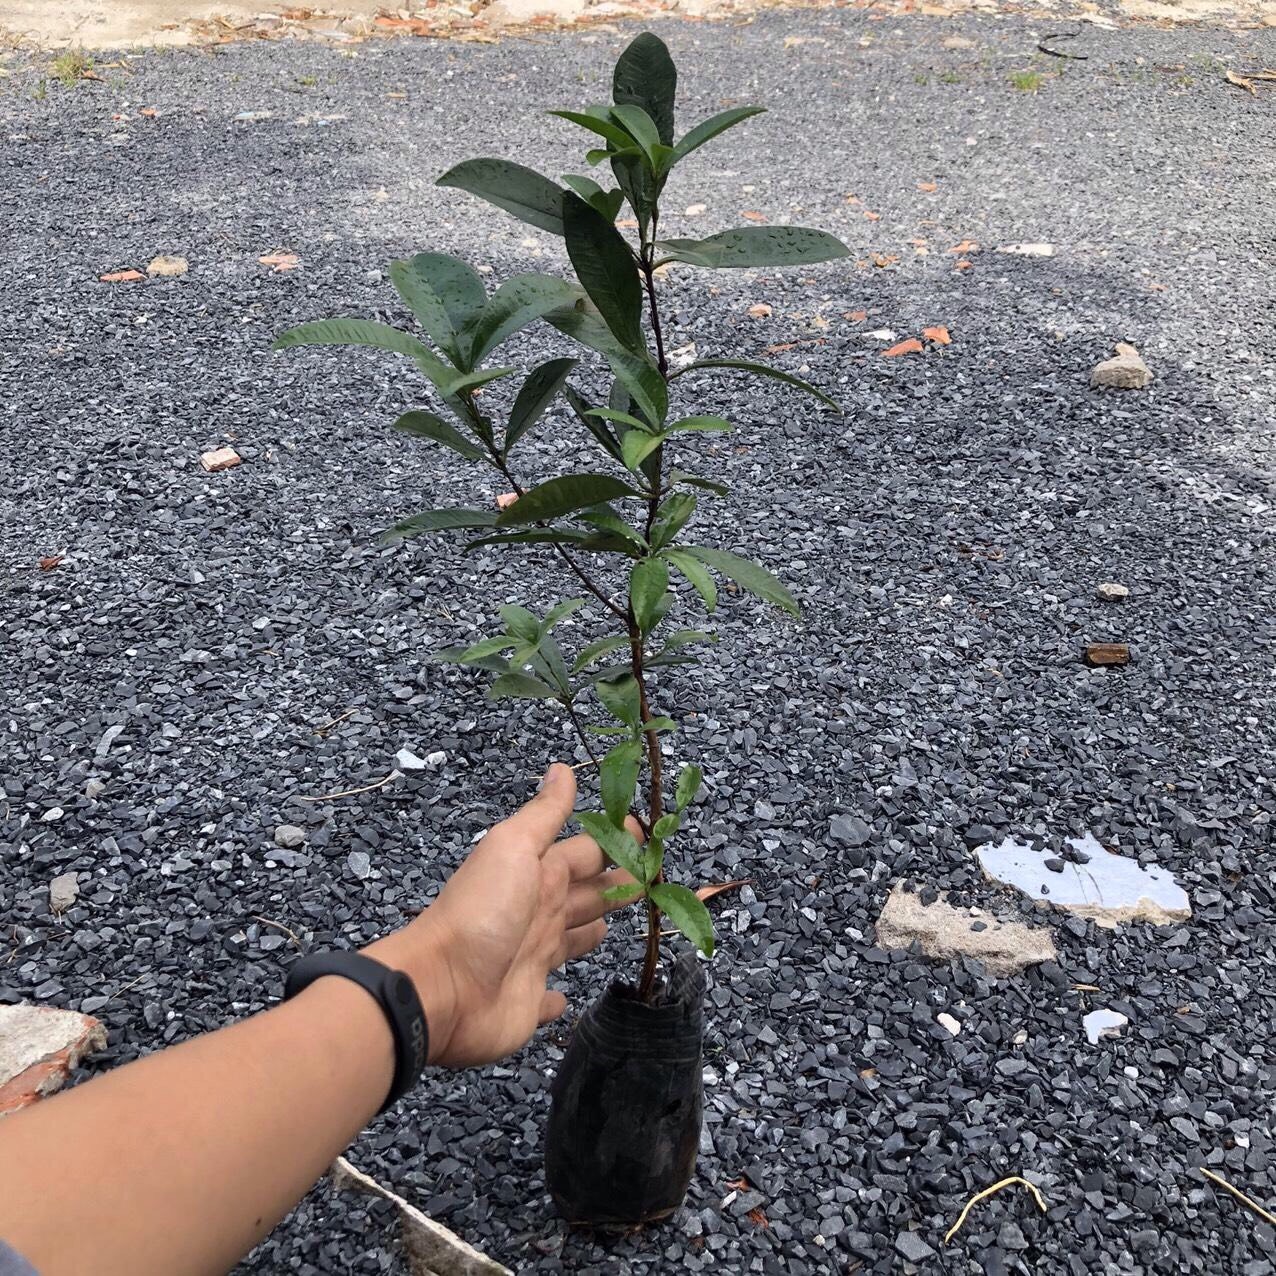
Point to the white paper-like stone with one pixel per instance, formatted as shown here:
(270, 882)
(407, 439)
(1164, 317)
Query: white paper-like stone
(1109, 889)
(1103, 1023)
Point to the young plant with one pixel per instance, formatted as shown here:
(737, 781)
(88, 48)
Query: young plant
(627, 520)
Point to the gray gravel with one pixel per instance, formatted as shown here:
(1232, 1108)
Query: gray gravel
(946, 539)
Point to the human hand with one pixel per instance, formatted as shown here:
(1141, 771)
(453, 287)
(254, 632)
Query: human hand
(519, 907)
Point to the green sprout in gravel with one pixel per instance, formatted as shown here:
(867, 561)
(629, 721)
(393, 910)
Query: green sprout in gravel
(630, 517)
(71, 66)
(1027, 81)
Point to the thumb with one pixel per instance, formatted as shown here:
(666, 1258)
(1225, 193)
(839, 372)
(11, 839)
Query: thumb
(541, 820)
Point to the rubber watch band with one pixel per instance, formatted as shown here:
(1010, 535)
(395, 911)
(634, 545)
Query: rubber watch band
(394, 993)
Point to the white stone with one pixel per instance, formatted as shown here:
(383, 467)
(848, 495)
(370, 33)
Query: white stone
(39, 1045)
(1111, 592)
(948, 1023)
(406, 760)
(64, 890)
(94, 789)
(436, 759)
(166, 267)
(289, 836)
(1103, 1023)
(359, 864)
(1109, 889)
(52, 814)
(1027, 250)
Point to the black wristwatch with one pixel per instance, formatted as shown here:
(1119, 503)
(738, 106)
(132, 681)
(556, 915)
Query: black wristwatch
(396, 995)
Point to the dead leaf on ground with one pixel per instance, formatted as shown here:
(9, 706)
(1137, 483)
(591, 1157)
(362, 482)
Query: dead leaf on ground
(410, 26)
(782, 347)
(717, 888)
(883, 260)
(760, 311)
(966, 246)
(48, 563)
(755, 1215)
(911, 346)
(280, 261)
(873, 217)
(938, 334)
(852, 199)
(857, 316)
(628, 223)
(753, 215)
(122, 277)
(964, 264)
(1241, 81)
(929, 187)
(148, 113)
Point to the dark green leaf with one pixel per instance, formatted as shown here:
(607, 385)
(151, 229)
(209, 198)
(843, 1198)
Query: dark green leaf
(640, 126)
(440, 521)
(694, 571)
(472, 381)
(660, 724)
(560, 611)
(599, 647)
(648, 584)
(516, 303)
(593, 424)
(521, 623)
(686, 912)
(618, 775)
(551, 657)
(520, 686)
(759, 369)
(689, 781)
(612, 522)
(537, 393)
(426, 425)
(597, 119)
(605, 266)
(561, 496)
(637, 445)
(681, 476)
(748, 575)
(671, 518)
(646, 387)
(748, 246)
(666, 826)
(685, 638)
(623, 894)
(704, 424)
(625, 418)
(484, 648)
(708, 129)
(617, 844)
(646, 76)
(453, 655)
(620, 697)
(445, 294)
(521, 191)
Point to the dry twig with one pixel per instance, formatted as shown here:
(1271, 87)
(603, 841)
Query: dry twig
(1240, 1196)
(269, 921)
(988, 1191)
(366, 788)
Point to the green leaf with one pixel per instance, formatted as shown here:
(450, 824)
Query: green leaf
(551, 658)
(556, 536)
(484, 648)
(618, 844)
(440, 521)
(749, 246)
(605, 266)
(689, 781)
(687, 637)
(521, 623)
(521, 191)
(748, 575)
(640, 126)
(472, 381)
(648, 584)
(686, 912)
(535, 396)
(426, 425)
(351, 332)
(703, 424)
(639, 185)
(642, 379)
(598, 119)
(515, 304)
(620, 697)
(599, 647)
(623, 894)
(593, 424)
(666, 826)
(561, 496)
(646, 76)
(444, 294)
(708, 129)
(694, 571)
(612, 522)
(681, 476)
(618, 775)
(625, 418)
(560, 611)
(637, 445)
(453, 655)
(520, 686)
(671, 517)
(759, 369)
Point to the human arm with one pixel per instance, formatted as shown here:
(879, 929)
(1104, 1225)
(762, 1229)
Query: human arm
(180, 1162)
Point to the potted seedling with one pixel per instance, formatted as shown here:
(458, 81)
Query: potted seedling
(625, 1123)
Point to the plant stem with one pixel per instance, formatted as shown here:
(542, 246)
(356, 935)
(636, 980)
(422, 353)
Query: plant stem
(580, 729)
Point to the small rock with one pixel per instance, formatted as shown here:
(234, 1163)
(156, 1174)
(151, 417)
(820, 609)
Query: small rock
(760, 310)
(109, 736)
(694, 210)
(1098, 654)
(64, 890)
(1054, 864)
(52, 814)
(406, 760)
(1103, 1023)
(1111, 592)
(122, 277)
(505, 500)
(289, 836)
(222, 458)
(359, 864)
(94, 789)
(945, 932)
(1126, 371)
(850, 829)
(253, 117)
(1027, 250)
(910, 1245)
(168, 267)
(435, 760)
(948, 1023)
(39, 1046)
(958, 42)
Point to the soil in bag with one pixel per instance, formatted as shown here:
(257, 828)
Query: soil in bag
(624, 1127)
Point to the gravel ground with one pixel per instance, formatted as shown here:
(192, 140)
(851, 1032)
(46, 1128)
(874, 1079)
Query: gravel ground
(945, 538)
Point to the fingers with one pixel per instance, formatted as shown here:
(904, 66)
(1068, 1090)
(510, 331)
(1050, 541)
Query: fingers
(541, 820)
(583, 939)
(585, 901)
(553, 1004)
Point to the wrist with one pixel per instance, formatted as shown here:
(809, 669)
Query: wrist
(418, 951)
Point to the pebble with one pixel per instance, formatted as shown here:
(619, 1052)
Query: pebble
(1125, 371)
(360, 864)
(94, 789)
(64, 890)
(167, 267)
(406, 760)
(948, 1023)
(1111, 592)
(289, 836)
